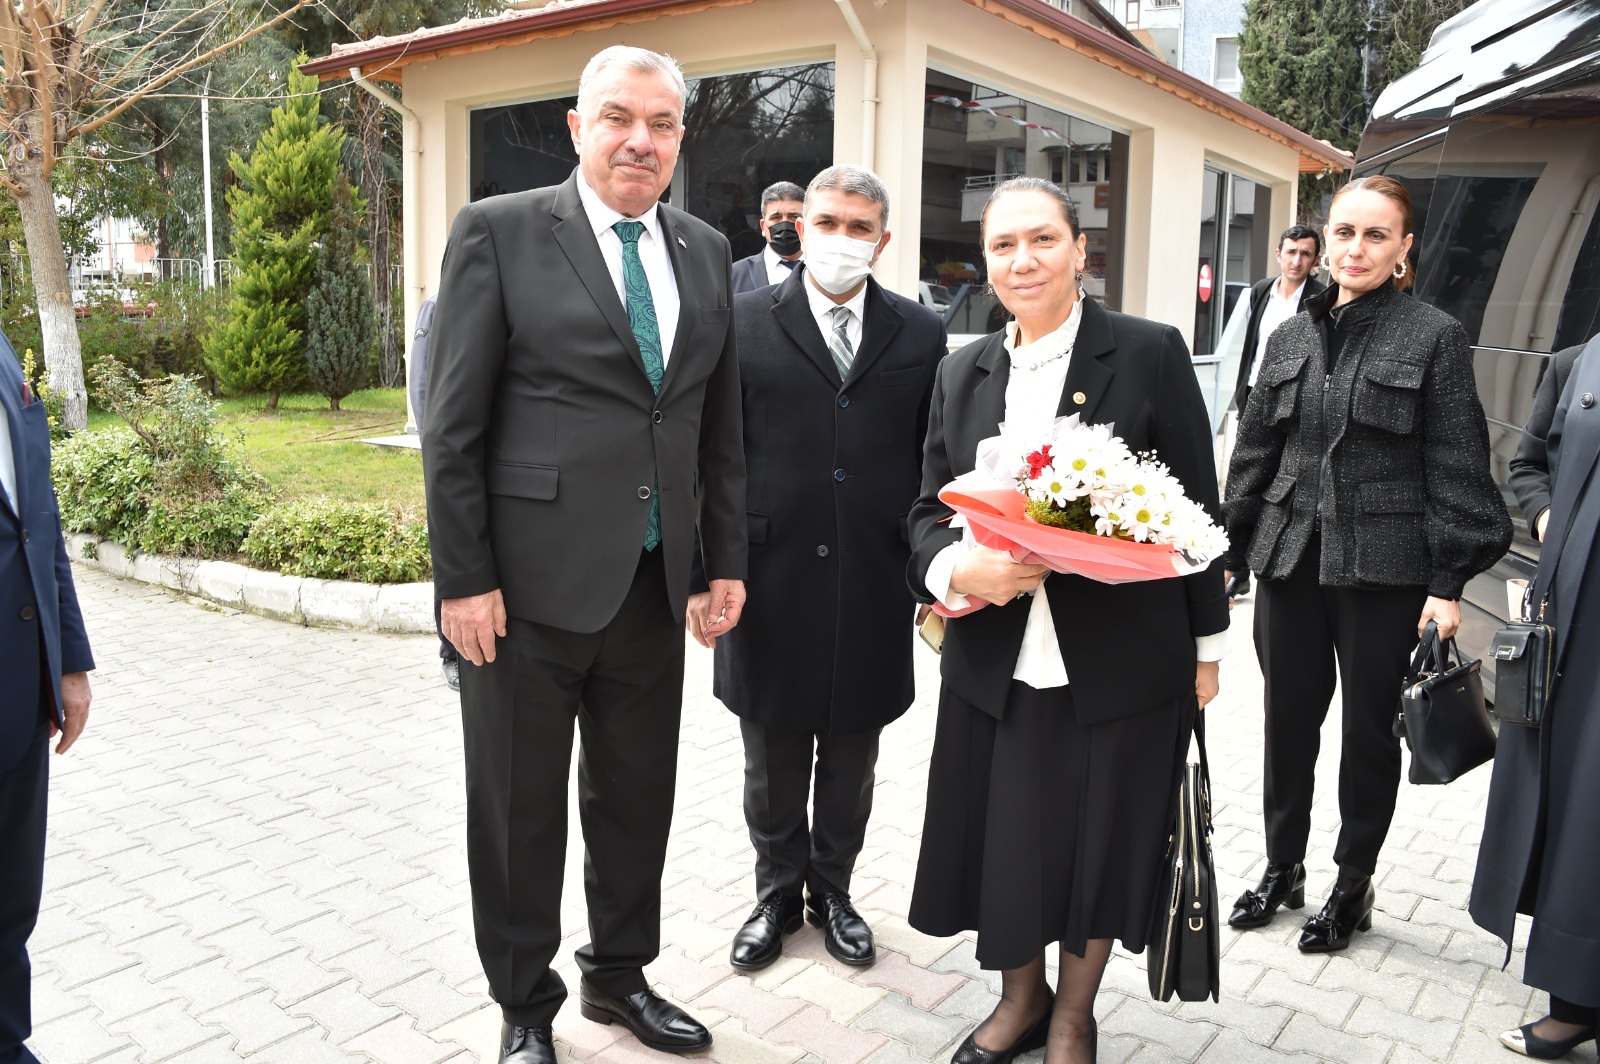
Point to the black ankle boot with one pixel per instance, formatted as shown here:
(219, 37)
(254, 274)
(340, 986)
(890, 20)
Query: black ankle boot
(1281, 884)
(1348, 910)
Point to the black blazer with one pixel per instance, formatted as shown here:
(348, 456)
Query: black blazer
(1128, 648)
(41, 628)
(544, 437)
(1258, 299)
(750, 274)
(1388, 453)
(1529, 472)
(825, 642)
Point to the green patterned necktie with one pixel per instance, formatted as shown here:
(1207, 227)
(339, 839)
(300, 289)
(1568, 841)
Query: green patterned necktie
(647, 332)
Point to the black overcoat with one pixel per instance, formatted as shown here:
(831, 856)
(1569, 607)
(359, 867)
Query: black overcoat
(825, 641)
(1541, 838)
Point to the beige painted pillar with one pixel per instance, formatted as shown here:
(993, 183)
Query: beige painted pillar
(1166, 170)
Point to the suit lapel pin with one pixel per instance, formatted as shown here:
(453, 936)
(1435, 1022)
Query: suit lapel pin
(1079, 398)
(681, 243)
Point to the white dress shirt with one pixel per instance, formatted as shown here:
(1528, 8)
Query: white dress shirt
(1279, 309)
(8, 463)
(652, 254)
(822, 308)
(1033, 394)
(777, 273)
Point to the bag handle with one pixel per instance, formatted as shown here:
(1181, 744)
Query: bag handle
(1428, 652)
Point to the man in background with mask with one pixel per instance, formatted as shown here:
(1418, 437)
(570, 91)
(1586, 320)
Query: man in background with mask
(781, 204)
(837, 374)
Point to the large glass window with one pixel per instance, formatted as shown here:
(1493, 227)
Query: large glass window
(974, 138)
(742, 132)
(1234, 251)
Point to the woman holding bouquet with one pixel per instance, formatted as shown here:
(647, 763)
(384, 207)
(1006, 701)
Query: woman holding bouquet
(1064, 715)
(1360, 494)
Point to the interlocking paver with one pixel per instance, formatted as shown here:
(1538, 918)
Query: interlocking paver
(258, 853)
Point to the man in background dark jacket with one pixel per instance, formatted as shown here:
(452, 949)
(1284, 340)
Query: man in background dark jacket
(45, 660)
(781, 203)
(1274, 300)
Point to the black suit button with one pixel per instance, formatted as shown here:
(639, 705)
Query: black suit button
(644, 492)
(656, 417)
(1587, 399)
(838, 474)
(26, 613)
(822, 551)
(844, 401)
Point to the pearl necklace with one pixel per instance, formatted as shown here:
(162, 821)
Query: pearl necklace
(1039, 364)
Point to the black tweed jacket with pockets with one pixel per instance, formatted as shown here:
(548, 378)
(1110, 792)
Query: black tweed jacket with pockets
(1388, 453)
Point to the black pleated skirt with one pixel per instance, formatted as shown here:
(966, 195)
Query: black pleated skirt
(1040, 829)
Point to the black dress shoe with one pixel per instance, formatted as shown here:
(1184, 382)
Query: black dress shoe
(970, 1052)
(1280, 885)
(1524, 1041)
(654, 1020)
(526, 1045)
(1348, 910)
(845, 934)
(760, 941)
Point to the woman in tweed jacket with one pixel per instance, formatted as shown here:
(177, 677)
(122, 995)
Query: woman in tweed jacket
(1360, 495)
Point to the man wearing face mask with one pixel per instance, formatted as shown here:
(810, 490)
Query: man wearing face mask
(837, 374)
(781, 205)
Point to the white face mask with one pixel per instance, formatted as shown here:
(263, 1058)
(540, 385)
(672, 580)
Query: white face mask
(838, 263)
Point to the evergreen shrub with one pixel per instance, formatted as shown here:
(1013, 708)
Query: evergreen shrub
(335, 540)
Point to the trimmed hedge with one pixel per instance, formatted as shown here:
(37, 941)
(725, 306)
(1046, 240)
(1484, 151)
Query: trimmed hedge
(337, 540)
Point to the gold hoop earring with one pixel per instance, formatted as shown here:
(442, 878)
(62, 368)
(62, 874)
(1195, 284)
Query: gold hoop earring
(1402, 269)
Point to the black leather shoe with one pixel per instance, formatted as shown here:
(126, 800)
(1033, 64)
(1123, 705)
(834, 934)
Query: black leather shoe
(1280, 885)
(760, 941)
(970, 1052)
(451, 667)
(1524, 1041)
(846, 935)
(654, 1020)
(526, 1045)
(1348, 910)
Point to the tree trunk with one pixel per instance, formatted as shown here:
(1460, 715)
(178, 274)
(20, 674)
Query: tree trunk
(272, 400)
(371, 118)
(47, 261)
(334, 404)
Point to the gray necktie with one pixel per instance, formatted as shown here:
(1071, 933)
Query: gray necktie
(839, 341)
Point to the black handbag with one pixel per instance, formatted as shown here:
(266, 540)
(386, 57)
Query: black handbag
(1524, 653)
(1185, 954)
(1442, 713)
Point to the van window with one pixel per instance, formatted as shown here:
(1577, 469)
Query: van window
(1580, 310)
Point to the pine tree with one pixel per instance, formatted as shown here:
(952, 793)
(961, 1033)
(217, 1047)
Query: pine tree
(1303, 61)
(279, 211)
(339, 344)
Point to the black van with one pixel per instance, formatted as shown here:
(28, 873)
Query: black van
(1497, 137)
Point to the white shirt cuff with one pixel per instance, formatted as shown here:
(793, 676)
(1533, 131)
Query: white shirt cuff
(1211, 647)
(940, 570)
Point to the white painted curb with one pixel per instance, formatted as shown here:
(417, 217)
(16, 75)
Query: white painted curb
(297, 599)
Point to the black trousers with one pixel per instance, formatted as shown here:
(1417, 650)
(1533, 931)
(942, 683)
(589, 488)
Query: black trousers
(791, 853)
(24, 789)
(447, 649)
(623, 687)
(1302, 632)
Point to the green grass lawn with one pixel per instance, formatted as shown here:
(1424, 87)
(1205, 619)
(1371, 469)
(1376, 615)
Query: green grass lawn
(307, 450)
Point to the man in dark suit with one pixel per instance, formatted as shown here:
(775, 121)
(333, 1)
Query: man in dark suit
(836, 372)
(45, 659)
(781, 203)
(1274, 300)
(583, 422)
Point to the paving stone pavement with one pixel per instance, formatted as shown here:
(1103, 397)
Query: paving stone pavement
(257, 853)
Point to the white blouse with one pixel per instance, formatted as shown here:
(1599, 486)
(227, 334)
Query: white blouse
(1033, 393)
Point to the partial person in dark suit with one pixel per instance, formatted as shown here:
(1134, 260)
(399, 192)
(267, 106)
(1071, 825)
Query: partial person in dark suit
(1541, 840)
(45, 659)
(781, 205)
(417, 386)
(836, 373)
(583, 424)
(1274, 300)
(1065, 715)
